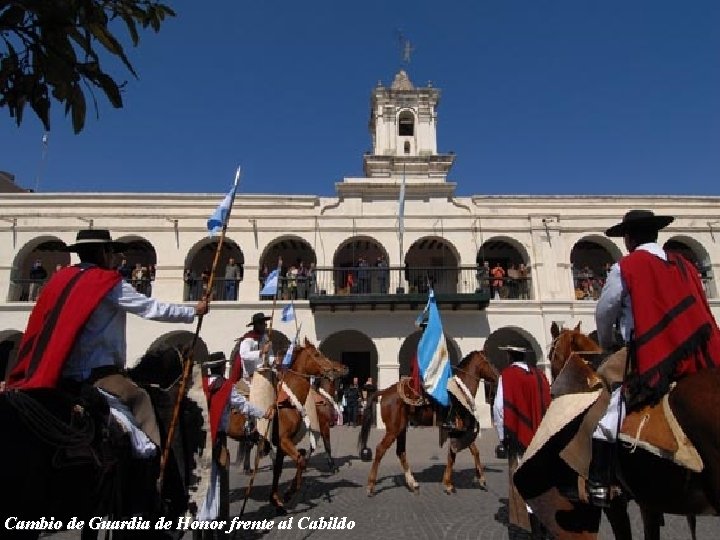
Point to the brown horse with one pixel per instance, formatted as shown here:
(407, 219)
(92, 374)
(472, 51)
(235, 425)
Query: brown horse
(326, 413)
(658, 485)
(396, 413)
(307, 361)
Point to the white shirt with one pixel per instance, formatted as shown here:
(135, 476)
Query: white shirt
(102, 341)
(251, 358)
(237, 402)
(614, 302)
(498, 404)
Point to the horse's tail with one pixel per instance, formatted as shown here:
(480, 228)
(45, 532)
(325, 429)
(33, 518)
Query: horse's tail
(367, 421)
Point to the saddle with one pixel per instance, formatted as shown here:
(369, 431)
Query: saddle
(409, 395)
(654, 428)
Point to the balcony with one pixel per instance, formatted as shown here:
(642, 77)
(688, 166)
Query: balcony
(391, 288)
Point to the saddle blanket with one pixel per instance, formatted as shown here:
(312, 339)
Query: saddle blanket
(142, 446)
(655, 429)
(472, 403)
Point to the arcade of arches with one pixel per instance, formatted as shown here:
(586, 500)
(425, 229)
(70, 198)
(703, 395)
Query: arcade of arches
(428, 260)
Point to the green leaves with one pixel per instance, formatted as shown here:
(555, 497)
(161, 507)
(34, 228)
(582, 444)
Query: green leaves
(52, 52)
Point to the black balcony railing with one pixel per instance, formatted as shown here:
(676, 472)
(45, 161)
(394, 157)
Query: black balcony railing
(223, 289)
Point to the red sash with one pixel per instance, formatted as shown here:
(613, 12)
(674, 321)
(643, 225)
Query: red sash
(218, 396)
(526, 397)
(415, 375)
(63, 308)
(675, 332)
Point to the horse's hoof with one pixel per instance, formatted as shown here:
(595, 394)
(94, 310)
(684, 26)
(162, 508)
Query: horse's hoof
(370, 492)
(449, 490)
(480, 482)
(287, 496)
(415, 488)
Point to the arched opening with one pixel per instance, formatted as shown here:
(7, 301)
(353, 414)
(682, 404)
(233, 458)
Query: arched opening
(406, 124)
(298, 273)
(694, 252)
(9, 342)
(137, 263)
(182, 339)
(358, 352)
(510, 336)
(360, 266)
(409, 349)
(34, 264)
(198, 264)
(503, 270)
(590, 260)
(432, 262)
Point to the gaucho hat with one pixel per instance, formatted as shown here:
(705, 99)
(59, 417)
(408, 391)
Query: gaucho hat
(95, 237)
(639, 219)
(257, 318)
(215, 359)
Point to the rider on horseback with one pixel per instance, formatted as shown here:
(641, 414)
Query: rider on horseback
(663, 316)
(76, 332)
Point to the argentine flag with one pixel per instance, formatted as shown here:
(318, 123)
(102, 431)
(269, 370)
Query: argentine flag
(271, 284)
(288, 313)
(433, 357)
(287, 361)
(218, 218)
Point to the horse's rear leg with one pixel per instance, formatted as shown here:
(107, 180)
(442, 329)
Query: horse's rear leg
(479, 469)
(400, 449)
(617, 515)
(325, 432)
(380, 450)
(692, 524)
(447, 477)
(277, 471)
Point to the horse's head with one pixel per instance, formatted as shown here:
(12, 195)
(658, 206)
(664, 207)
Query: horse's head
(310, 361)
(477, 367)
(162, 367)
(565, 342)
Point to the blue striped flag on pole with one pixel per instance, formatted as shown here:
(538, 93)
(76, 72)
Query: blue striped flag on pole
(433, 357)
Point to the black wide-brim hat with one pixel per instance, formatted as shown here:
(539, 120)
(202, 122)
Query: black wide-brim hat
(215, 359)
(94, 238)
(257, 318)
(639, 220)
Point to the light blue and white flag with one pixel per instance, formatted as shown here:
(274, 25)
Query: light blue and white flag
(271, 284)
(433, 357)
(220, 215)
(288, 313)
(287, 361)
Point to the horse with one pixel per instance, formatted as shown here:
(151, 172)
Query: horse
(65, 458)
(307, 361)
(326, 413)
(396, 413)
(658, 485)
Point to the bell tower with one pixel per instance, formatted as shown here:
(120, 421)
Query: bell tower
(403, 127)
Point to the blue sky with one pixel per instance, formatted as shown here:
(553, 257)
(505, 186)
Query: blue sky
(539, 97)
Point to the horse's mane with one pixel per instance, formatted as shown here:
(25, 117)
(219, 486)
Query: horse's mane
(466, 360)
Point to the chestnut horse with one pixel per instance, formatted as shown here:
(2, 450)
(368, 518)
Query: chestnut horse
(658, 485)
(396, 413)
(307, 361)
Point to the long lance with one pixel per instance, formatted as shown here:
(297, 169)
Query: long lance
(188, 361)
(272, 313)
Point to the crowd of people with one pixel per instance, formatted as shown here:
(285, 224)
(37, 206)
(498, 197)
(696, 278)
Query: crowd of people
(295, 282)
(511, 283)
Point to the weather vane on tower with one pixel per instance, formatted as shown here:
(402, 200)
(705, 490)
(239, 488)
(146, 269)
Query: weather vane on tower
(406, 49)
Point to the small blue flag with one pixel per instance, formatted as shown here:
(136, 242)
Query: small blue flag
(287, 361)
(288, 313)
(433, 357)
(271, 284)
(220, 215)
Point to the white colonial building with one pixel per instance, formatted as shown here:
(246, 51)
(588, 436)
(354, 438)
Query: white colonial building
(361, 315)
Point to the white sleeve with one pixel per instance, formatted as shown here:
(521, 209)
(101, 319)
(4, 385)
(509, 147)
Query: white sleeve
(498, 411)
(239, 403)
(247, 353)
(128, 299)
(609, 307)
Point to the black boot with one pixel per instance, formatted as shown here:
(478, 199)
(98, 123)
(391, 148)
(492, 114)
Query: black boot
(600, 476)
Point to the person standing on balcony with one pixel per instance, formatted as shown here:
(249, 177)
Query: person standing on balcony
(498, 272)
(38, 275)
(382, 274)
(312, 279)
(233, 275)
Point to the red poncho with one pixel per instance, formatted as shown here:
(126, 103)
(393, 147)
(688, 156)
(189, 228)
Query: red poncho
(526, 397)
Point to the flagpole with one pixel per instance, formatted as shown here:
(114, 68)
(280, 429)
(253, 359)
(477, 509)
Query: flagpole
(272, 312)
(188, 361)
(401, 219)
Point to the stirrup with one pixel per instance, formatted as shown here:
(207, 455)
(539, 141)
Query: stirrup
(598, 494)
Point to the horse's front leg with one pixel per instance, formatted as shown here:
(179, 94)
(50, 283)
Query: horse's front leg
(277, 470)
(447, 477)
(325, 432)
(402, 455)
(479, 469)
(298, 456)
